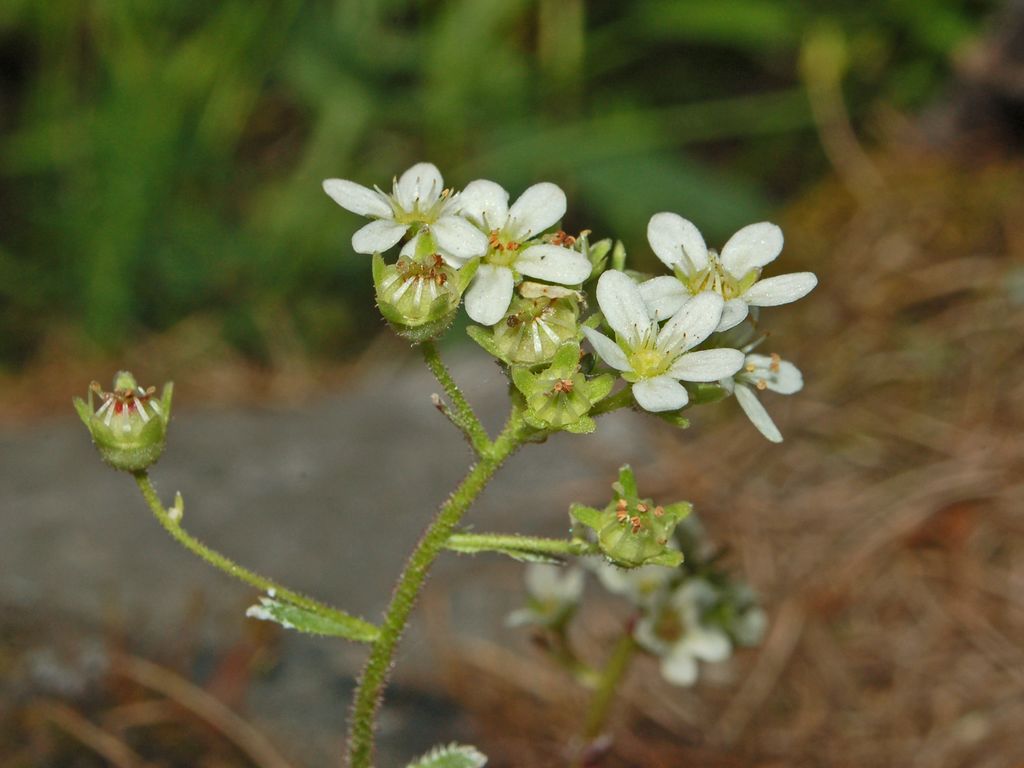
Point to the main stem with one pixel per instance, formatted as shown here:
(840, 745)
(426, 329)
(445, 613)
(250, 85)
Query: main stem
(369, 692)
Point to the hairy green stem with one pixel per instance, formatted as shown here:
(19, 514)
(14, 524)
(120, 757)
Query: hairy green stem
(463, 415)
(369, 691)
(172, 525)
(471, 543)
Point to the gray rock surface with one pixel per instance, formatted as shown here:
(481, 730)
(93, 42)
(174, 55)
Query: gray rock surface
(328, 499)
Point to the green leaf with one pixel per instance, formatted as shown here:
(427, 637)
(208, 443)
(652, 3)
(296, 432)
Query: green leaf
(451, 756)
(291, 616)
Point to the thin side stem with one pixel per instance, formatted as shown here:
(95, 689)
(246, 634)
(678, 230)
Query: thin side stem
(471, 543)
(368, 695)
(230, 567)
(611, 676)
(462, 415)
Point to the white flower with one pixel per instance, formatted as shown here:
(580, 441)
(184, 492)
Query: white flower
(418, 199)
(510, 254)
(733, 275)
(763, 372)
(554, 592)
(641, 586)
(657, 359)
(676, 634)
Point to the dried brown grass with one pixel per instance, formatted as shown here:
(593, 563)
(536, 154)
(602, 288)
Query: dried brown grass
(886, 534)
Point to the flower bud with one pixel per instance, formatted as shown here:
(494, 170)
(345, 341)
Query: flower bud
(560, 396)
(632, 532)
(420, 297)
(129, 428)
(537, 323)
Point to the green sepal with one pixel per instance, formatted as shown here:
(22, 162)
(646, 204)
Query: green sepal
(701, 394)
(675, 418)
(673, 558)
(451, 756)
(584, 426)
(485, 339)
(626, 487)
(588, 516)
(291, 616)
(618, 258)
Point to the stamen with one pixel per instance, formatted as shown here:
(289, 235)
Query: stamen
(106, 404)
(419, 292)
(110, 415)
(433, 290)
(776, 360)
(388, 282)
(156, 407)
(761, 384)
(659, 511)
(641, 507)
(547, 330)
(142, 411)
(635, 524)
(401, 290)
(536, 338)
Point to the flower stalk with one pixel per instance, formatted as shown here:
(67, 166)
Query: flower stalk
(170, 519)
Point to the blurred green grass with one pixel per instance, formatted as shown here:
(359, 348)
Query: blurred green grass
(159, 160)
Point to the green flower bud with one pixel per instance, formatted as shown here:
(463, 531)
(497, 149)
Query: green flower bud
(537, 323)
(420, 297)
(560, 396)
(631, 531)
(129, 428)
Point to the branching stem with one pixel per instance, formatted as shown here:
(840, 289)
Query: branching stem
(461, 414)
(369, 692)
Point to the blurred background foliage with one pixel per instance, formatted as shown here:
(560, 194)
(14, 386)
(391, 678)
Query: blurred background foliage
(163, 160)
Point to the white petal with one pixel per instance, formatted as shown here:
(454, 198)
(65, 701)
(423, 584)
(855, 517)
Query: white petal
(692, 324)
(458, 237)
(378, 236)
(707, 644)
(752, 247)
(757, 414)
(554, 264)
(420, 184)
(554, 582)
(537, 208)
(779, 375)
(707, 365)
(664, 296)
(484, 203)
(661, 393)
(623, 306)
(733, 313)
(773, 291)
(679, 668)
(750, 626)
(677, 242)
(490, 294)
(358, 199)
(607, 349)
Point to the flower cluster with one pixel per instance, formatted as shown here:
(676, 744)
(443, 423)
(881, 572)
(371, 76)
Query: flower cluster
(525, 282)
(694, 611)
